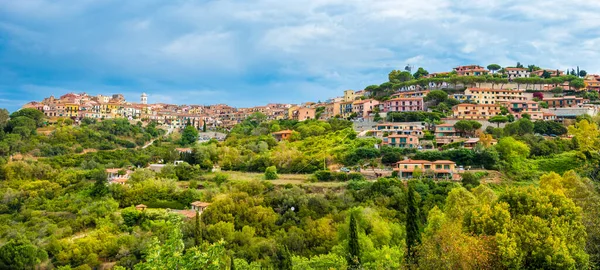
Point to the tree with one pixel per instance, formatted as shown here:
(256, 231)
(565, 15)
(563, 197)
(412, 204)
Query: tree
(271, 173)
(284, 258)
(204, 126)
(437, 96)
(582, 73)
(353, 245)
(467, 126)
(420, 73)
(494, 67)
(498, 119)
(189, 135)
(546, 74)
(519, 65)
(413, 235)
(30, 113)
(3, 118)
(577, 84)
(586, 134)
(197, 229)
(99, 189)
(399, 76)
(19, 253)
(469, 180)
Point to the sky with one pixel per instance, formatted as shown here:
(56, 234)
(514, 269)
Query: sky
(249, 53)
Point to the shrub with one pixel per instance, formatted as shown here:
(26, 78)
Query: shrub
(323, 175)
(271, 173)
(79, 150)
(355, 176)
(220, 178)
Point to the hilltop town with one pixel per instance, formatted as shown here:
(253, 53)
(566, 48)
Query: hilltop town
(475, 93)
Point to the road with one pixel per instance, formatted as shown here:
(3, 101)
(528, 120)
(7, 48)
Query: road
(152, 141)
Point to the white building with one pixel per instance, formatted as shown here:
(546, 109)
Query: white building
(516, 73)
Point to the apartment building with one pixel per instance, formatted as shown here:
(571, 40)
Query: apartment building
(410, 94)
(401, 141)
(403, 105)
(493, 96)
(564, 101)
(475, 111)
(552, 72)
(440, 169)
(518, 108)
(363, 108)
(413, 129)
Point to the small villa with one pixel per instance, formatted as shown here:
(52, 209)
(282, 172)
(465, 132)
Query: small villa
(282, 135)
(118, 176)
(439, 169)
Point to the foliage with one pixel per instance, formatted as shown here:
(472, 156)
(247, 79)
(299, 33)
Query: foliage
(271, 173)
(413, 235)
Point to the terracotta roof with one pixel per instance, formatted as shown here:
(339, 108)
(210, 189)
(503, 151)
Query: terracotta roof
(200, 204)
(413, 161)
(287, 131)
(113, 170)
(444, 125)
(141, 206)
(443, 162)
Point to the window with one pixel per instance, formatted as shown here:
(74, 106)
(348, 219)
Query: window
(438, 166)
(447, 167)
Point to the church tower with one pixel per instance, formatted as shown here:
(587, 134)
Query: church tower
(144, 98)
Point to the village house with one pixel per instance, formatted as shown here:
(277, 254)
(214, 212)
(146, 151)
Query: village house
(118, 176)
(493, 96)
(518, 108)
(440, 169)
(552, 72)
(513, 72)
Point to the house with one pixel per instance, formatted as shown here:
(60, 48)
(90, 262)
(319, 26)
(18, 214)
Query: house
(282, 135)
(472, 142)
(552, 72)
(513, 72)
(440, 169)
(401, 141)
(118, 176)
(548, 116)
(403, 105)
(471, 70)
(475, 111)
(141, 207)
(199, 206)
(156, 167)
(184, 150)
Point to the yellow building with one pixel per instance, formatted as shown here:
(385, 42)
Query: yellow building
(475, 111)
(71, 110)
(349, 95)
(493, 96)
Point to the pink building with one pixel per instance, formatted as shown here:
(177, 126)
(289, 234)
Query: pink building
(403, 105)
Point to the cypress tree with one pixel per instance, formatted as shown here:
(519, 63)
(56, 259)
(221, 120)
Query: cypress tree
(204, 126)
(353, 245)
(197, 230)
(413, 236)
(231, 264)
(284, 258)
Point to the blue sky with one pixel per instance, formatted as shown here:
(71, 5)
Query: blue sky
(247, 53)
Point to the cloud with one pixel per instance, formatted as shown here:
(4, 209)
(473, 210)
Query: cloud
(252, 52)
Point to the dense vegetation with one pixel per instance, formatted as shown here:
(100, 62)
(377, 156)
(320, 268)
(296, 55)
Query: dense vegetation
(58, 210)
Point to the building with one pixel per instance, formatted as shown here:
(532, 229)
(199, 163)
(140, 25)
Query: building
(414, 129)
(410, 94)
(118, 176)
(445, 130)
(572, 112)
(552, 72)
(440, 169)
(471, 70)
(199, 206)
(514, 73)
(493, 96)
(518, 108)
(144, 99)
(403, 105)
(364, 108)
(282, 135)
(349, 95)
(564, 101)
(343, 109)
(401, 141)
(475, 111)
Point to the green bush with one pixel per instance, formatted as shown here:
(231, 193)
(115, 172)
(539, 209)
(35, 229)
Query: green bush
(355, 176)
(271, 173)
(323, 176)
(220, 178)
(165, 204)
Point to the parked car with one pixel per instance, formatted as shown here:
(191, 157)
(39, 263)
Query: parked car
(344, 169)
